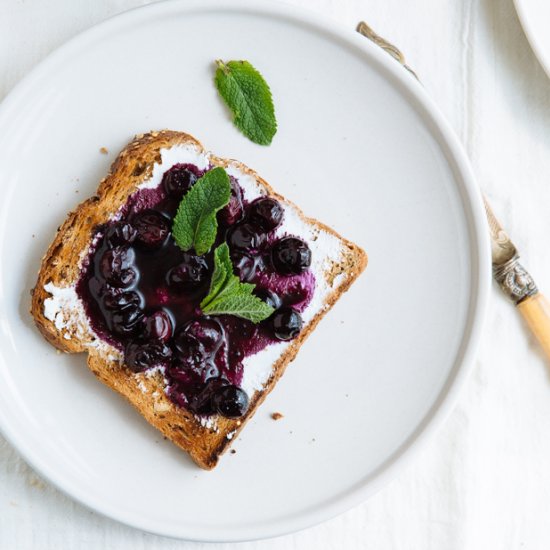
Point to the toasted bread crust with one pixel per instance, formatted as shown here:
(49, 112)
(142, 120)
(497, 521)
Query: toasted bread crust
(62, 263)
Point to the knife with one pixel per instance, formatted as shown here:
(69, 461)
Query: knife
(510, 275)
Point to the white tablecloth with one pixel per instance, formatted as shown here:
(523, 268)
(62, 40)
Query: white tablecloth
(484, 481)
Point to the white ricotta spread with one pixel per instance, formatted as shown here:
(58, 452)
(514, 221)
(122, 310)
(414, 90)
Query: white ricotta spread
(208, 422)
(63, 306)
(66, 311)
(178, 154)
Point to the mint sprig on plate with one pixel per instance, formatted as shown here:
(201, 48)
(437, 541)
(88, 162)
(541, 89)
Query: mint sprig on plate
(248, 96)
(228, 296)
(195, 224)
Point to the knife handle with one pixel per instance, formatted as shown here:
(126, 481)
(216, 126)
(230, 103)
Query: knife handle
(536, 312)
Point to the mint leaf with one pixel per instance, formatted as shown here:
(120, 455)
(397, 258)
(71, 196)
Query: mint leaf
(228, 296)
(195, 224)
(248, 96)
(246, 306)
(223, 270)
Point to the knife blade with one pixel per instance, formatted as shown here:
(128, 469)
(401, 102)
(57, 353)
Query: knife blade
(508, 272)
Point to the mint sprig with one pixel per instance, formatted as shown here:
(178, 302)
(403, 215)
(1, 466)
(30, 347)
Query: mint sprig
(228, 296)
(248, 96)
(195, 225)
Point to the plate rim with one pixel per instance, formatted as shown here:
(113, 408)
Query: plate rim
(471, 202)
(543, 56)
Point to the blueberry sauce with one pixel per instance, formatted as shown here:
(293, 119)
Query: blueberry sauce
(142, 293)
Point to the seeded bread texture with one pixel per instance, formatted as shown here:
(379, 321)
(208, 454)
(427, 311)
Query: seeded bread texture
(145, 391)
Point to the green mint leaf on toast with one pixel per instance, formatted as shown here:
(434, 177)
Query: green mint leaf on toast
(228, 296)
(223, 270)
(248, 96)
(246, 306)
(195, 224)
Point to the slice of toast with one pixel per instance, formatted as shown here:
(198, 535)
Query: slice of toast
(60, 316)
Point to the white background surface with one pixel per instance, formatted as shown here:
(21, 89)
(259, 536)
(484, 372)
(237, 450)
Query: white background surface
(483, 482)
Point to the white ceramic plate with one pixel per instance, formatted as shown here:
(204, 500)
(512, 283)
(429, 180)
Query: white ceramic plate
(535, 16)
(360, 147)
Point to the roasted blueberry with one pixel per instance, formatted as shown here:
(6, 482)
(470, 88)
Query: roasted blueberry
(200, 372)
(269, 297)
(192, 361)
(127, 278)
(152, 229)
(127, 321)
(291, 256)
(230, 401)
(202, 400)
(158, 326)
(207, 371)
(187, 346)
(139, 357)
(178, 180)
(233, 212)
(265, 213)
(246, 237)
(191, 272)
(244, 264)
(207, 331)
(121, 300)
(286, 323)
(120, 233)
(115, 266)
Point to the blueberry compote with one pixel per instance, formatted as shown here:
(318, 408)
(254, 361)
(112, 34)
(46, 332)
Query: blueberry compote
(142, 293)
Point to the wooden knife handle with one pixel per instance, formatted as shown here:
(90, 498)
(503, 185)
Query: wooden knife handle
(536, 311)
